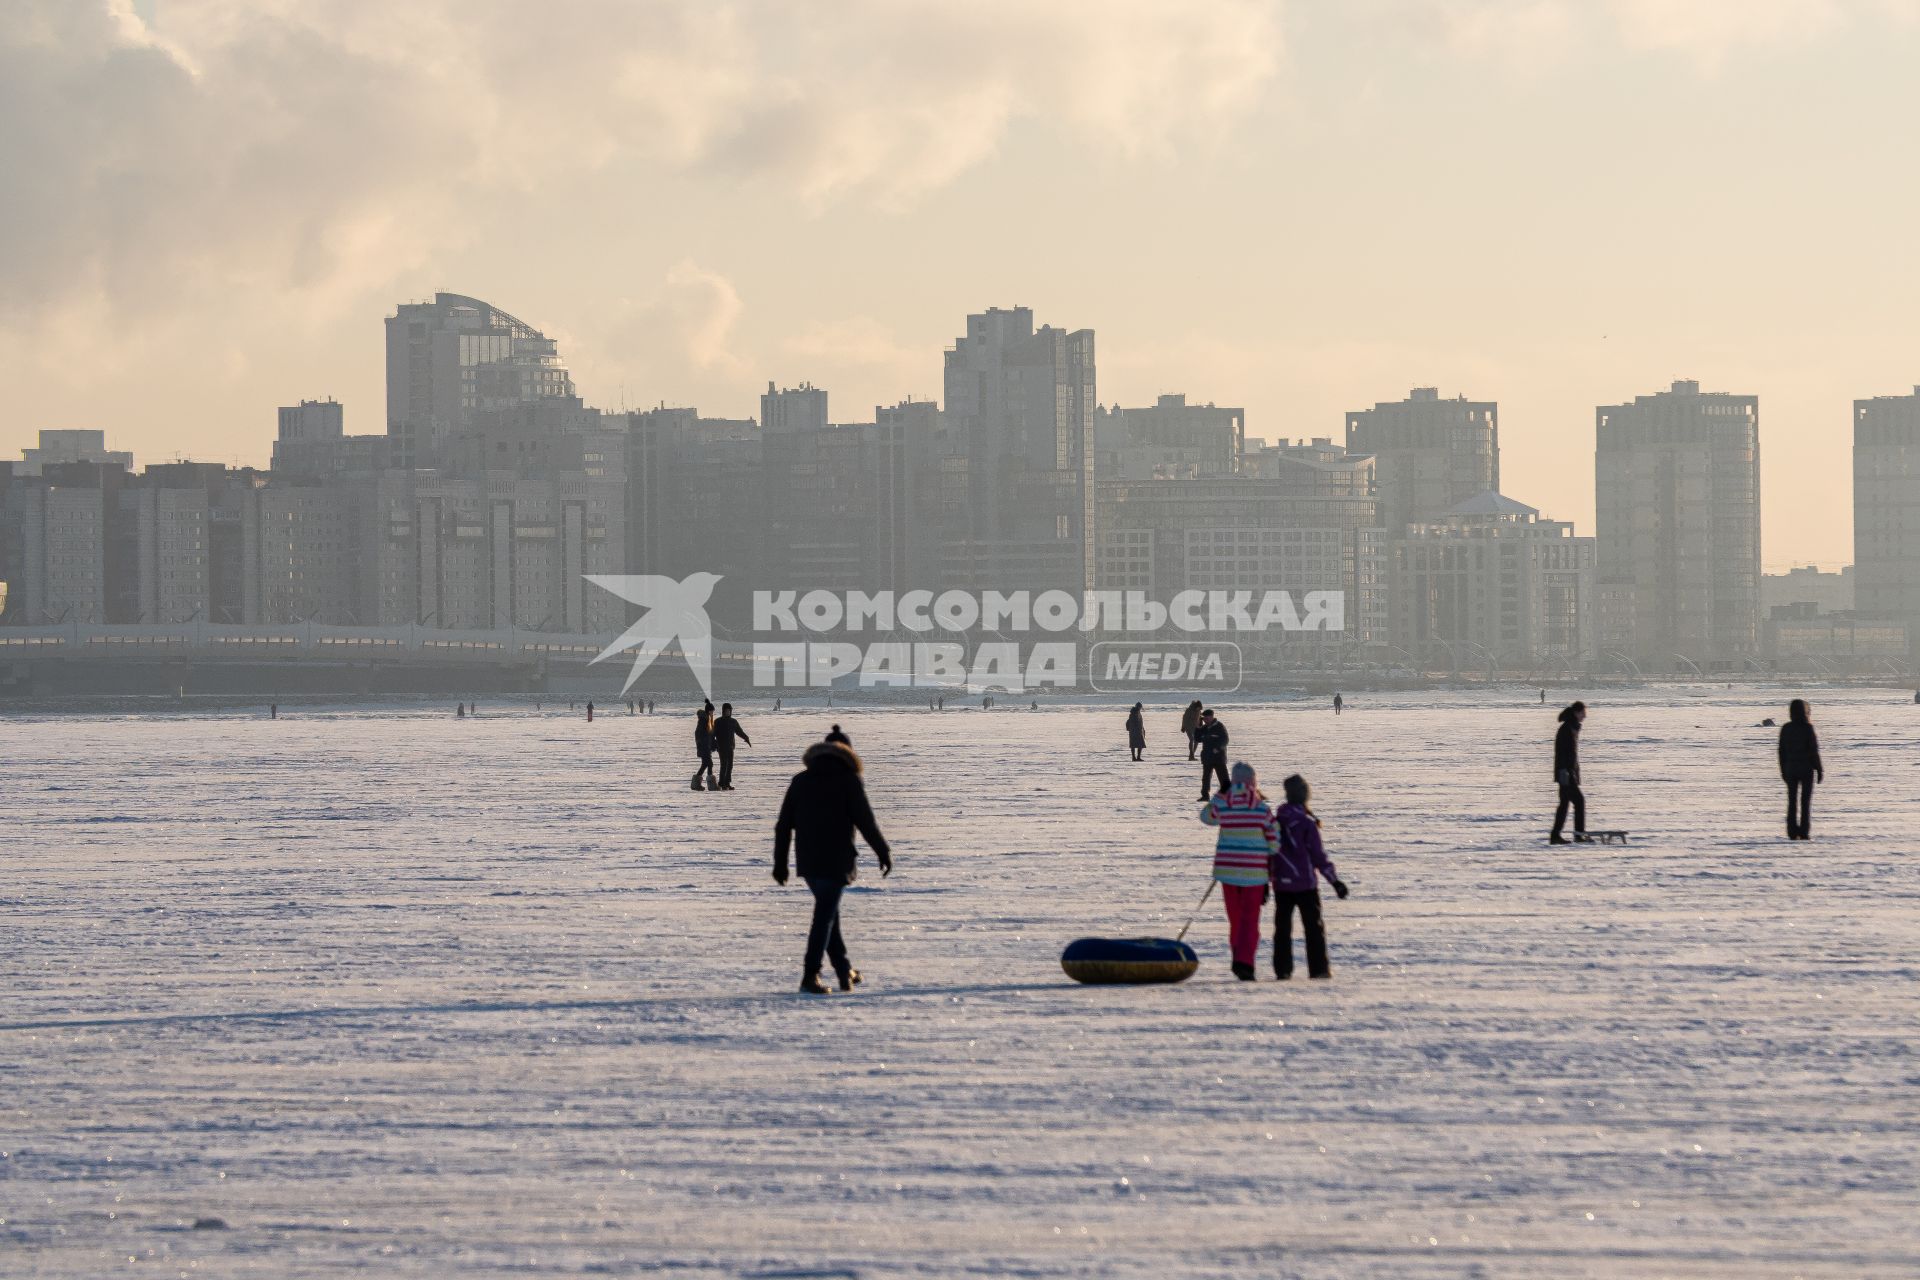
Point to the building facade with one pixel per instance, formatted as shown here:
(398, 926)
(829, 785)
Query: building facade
(1492, 585)
(1170, 438)
(1431, 454)
(1886, 508)
(1677, 478)
(454, 358)
(1020, 404)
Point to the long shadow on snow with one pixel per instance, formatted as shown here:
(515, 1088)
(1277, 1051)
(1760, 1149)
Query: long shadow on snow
(508, 1006)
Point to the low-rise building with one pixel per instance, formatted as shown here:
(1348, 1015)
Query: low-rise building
(1492, 585)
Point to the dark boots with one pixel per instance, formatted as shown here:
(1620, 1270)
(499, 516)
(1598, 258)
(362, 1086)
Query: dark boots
(812, 986)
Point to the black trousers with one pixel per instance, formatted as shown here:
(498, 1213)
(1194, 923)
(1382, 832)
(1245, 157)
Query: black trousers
(1193, 742)
(1571, 794)
(706, 767)
(1208, 770)
(726, 766)
(1800, 807)
(824, 935)
(1312, 924)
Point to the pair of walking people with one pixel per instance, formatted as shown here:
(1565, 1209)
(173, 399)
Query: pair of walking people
(1262, 853)
(710, 737)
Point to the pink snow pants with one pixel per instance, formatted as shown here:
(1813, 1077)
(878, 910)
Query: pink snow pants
(1243, 918)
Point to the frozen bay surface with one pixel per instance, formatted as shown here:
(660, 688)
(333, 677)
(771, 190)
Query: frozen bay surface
(383, 991)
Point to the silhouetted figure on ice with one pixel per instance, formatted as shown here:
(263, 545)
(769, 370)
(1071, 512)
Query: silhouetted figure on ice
(1338, 703)
(1566, 772)
(1213, 753)
(703, 745)
(1136, 731)
(1800, 768)
(824, 805)
(1295, 863)
(1190, 725)
(1241, 857)
(725, 730)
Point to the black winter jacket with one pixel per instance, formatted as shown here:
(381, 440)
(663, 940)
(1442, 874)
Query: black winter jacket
(725, 730)
(1566, 753)
(1213, 741)
(1799, 751)
(825, 804)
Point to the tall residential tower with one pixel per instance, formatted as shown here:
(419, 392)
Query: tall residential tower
(1677, 478)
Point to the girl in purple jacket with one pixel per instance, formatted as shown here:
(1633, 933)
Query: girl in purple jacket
(1295, 884)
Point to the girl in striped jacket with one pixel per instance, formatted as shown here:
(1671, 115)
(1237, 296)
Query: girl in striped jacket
(1241, 856)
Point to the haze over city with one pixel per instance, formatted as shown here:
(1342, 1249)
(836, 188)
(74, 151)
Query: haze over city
(1301, 209)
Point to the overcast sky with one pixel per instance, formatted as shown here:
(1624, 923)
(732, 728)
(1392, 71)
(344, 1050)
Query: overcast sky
(207, 207)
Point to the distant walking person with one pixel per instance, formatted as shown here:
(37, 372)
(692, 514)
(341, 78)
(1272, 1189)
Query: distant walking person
(703, 746)
(1136, 731)
(824, 805)
(1800, 768)
(1246, 845)
(725, 730)
(1190, 725)
(1213, 753)
(1338, 702)
(1566, 772)
(1299, 857)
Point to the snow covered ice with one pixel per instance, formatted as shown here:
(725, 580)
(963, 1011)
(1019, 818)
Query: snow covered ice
(387, 991)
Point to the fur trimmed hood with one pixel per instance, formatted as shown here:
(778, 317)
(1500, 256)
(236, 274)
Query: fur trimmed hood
(827, 755)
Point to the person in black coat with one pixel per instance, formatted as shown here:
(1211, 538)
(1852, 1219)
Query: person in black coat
(1566, 772)
(824, 805)
(1800, 768)
(1136, 731)
(725, 730)
(703, 744)
(1212, 736)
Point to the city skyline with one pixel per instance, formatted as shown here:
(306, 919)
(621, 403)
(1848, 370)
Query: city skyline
(1394, 195)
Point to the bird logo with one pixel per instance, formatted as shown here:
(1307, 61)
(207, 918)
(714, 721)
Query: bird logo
(675, 610)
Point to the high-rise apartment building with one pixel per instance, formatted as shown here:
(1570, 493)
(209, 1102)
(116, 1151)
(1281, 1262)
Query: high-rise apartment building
(454, 358)
(1020, 405)
(1431, 454)
(1886, 508)
(1677, 478)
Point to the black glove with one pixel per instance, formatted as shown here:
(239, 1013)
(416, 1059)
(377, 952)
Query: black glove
(1339, 888)
(886, 862)
(780, 872)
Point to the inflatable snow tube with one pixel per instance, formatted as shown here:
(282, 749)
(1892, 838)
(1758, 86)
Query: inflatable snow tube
(1109, 960)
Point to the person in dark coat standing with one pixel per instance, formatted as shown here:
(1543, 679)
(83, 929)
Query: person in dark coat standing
(1213, 753)
(824, 805)
(1800, 768)
(1190, 725)
(1136, 731)
(1566, 772)
(725, 730)
(703, 744)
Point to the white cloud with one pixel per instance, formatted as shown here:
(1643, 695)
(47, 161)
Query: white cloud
(321, 148)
